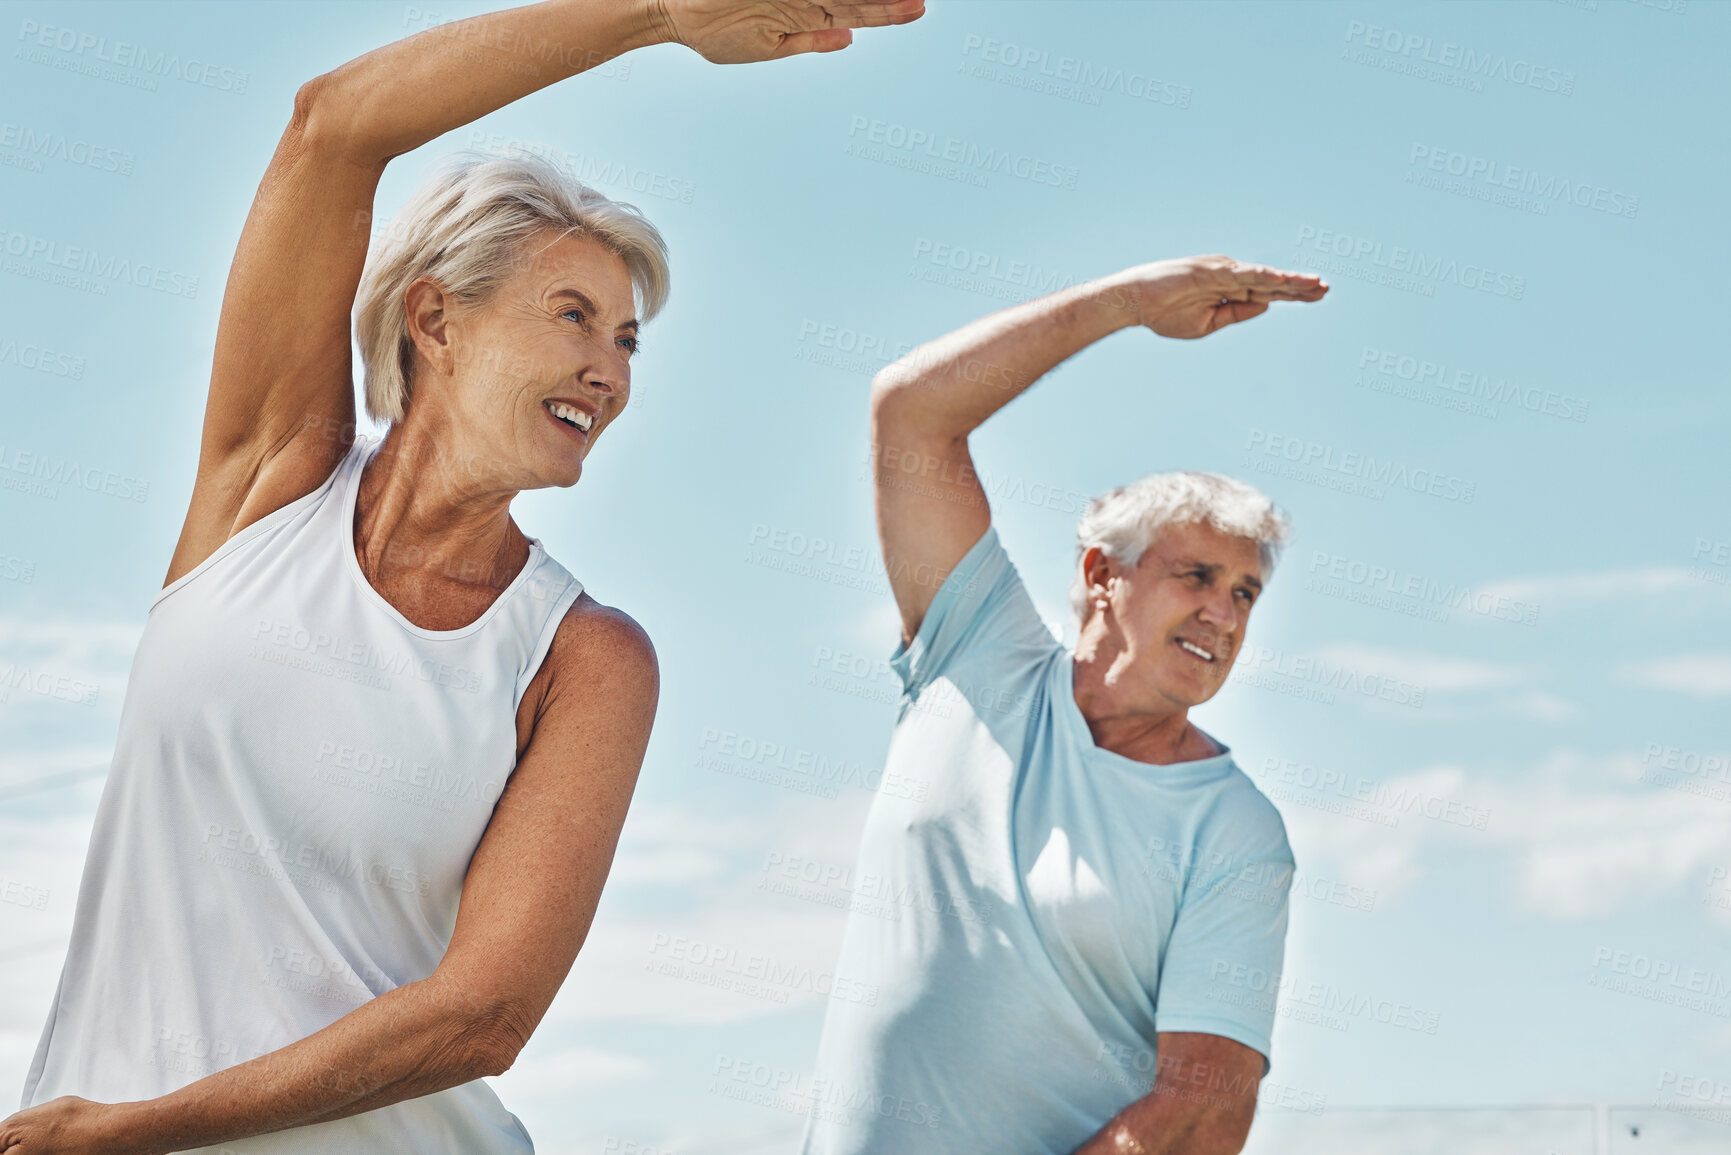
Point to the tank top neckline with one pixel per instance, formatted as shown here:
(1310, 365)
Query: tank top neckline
(352, 489)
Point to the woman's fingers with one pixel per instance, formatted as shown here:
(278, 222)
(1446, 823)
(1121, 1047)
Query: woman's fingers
(874, 15)
(818, 40)
(1235, 311)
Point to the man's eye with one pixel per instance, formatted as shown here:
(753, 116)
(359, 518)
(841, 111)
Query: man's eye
(578, 313)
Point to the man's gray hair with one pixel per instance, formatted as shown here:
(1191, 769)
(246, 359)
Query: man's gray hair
(465, 226)
(1126, 520)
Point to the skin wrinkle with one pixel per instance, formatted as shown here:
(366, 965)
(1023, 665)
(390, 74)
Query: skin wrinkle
(422, 510)
(1133, 684)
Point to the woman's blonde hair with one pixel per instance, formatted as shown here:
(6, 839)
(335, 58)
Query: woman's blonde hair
(465, 227)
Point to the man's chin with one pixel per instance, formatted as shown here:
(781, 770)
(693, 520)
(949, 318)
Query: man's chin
(1188, 692)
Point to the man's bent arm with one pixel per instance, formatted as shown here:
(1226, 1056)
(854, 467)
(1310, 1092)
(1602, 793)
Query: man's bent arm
(930, 505)
(1202, 1101)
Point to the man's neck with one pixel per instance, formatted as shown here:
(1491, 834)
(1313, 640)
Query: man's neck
(1133, 729)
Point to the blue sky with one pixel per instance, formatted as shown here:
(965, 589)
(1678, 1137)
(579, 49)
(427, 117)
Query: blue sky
(1502, 439)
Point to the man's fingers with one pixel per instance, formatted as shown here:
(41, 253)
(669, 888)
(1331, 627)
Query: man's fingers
(1284, 294)
(1245, 275)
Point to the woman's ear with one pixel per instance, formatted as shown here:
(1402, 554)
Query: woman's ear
(426, 307)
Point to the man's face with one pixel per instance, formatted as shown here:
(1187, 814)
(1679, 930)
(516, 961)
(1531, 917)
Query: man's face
(1180, 612)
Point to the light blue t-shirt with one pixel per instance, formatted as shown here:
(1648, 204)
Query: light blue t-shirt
(1041, 907)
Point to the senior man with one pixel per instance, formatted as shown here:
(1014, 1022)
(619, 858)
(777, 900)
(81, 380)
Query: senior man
(1087, 878)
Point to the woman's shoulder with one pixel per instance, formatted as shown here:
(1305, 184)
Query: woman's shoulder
(595, 643)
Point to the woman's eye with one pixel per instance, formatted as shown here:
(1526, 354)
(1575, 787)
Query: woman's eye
(632, 344)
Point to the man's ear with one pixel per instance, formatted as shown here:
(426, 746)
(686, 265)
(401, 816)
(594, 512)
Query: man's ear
(1096, 572)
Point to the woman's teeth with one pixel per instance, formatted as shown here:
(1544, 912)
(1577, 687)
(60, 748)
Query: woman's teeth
(1197, 650)
(570, 414)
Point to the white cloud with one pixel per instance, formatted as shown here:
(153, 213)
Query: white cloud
(1580, 588)
(1542, 706)
(703, 959)
(1698, 675)
(1440, 672)
(1587, 837)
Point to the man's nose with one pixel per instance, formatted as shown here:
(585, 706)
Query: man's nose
(1220, 609)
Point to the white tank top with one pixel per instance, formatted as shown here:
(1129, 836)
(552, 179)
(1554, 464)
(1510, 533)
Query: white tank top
(300, 778)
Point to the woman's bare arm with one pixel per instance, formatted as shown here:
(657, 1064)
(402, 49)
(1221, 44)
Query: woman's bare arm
(281, 371)
(528, 900)
(282, 365)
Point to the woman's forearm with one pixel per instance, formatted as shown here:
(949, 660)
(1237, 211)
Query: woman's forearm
(397, 98)
(414, 1040)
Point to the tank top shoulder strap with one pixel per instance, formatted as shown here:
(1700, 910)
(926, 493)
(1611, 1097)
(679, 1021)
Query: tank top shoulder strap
(544, 598)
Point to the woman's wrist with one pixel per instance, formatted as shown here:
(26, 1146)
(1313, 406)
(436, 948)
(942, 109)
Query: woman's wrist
(130, 1128)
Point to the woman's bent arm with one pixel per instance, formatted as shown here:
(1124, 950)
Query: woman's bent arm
(527, 903)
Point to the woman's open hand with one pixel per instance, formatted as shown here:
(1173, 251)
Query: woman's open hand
(1191, 297)
(64, 1126)
(746, 31)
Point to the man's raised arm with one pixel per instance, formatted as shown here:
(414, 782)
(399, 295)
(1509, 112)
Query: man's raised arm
(931, 507)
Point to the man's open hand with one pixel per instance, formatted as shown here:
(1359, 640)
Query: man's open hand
(746, 31)
(1191, 297)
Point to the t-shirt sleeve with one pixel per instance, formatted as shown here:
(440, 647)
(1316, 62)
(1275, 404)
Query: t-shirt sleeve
(1221, 970)
(981, 614)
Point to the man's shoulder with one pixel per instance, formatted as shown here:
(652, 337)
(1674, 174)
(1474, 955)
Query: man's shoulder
(1246, 819)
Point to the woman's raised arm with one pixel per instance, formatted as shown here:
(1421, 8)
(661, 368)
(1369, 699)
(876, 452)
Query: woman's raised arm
(282, 372)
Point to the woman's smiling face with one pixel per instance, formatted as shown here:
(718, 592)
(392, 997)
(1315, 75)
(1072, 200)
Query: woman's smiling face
(541, 366)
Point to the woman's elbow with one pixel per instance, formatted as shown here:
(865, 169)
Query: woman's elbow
(311, 108)
(326, 119)
(491, 1042)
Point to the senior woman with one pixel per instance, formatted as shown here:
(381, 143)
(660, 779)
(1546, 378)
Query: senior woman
(377, 746)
